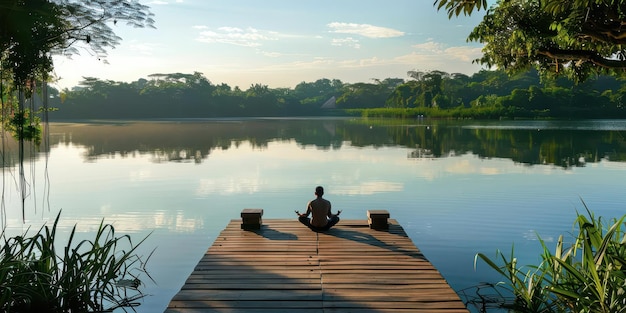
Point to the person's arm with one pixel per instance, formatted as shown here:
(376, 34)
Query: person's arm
(330, 211)
(308, 211)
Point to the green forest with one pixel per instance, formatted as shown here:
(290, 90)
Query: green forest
(436, 94)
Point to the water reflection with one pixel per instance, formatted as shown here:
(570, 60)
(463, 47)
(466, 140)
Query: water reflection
(564, 144)
(177, 223)
(452, 185)
(369, 188)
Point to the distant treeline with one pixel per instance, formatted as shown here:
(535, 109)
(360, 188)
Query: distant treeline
(486, 94)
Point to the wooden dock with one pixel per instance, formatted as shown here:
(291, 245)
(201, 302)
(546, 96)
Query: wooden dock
(285, 267)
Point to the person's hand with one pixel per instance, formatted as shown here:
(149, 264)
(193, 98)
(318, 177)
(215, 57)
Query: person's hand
(338, 212)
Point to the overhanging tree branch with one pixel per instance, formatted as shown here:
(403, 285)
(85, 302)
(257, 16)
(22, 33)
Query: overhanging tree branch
(583, 56)
(519, 34)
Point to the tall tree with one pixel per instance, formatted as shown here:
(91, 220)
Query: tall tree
(577, 38)
(31, 31)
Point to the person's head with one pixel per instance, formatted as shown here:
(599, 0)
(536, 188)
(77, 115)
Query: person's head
(319, 191)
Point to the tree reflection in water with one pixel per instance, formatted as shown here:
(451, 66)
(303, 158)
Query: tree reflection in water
(563, 144)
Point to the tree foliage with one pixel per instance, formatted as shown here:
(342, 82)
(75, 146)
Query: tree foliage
(32, 31)
(486, 94)
(576, 38)
(456, 7)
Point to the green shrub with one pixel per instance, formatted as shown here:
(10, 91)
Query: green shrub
(588, 276)
(89, 276)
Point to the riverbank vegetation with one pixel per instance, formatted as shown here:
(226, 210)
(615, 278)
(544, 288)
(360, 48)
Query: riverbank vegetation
(484, 95)
(95, 275)
(579, 40)
(89, 276)
(585, 276)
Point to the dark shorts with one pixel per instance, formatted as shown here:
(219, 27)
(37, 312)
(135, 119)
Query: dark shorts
(331, 222)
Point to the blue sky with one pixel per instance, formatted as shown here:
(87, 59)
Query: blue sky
(281, 43)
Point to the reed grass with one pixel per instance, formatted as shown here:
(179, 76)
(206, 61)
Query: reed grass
(587, 276)
(97, 275)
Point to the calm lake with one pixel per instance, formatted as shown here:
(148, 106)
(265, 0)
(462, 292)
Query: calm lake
(457, 188)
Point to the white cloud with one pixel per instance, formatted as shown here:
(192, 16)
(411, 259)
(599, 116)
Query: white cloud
(348, 42)
(249, 37)
(464, 53)
(231, 29)
(365, 30)
(272, 54)
(439, 56)
(429, 47)
(467, 54)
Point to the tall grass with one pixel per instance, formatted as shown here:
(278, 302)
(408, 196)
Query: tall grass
(459, 112)
(97, 275)
(587, 276)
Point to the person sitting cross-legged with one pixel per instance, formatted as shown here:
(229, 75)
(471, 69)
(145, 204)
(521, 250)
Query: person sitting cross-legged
(320, 209)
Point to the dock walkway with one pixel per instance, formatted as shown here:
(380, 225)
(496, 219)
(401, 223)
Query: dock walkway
(285, 267)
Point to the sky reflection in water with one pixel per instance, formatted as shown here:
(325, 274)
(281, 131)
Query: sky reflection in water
(452, 202)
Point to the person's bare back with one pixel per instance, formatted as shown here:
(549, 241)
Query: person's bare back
(320, 210)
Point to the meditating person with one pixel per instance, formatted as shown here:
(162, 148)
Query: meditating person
(321, 216)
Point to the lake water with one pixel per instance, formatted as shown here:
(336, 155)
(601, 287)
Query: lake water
(457, 188)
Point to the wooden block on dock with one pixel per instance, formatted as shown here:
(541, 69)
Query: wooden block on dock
(377, 219)
(251, 219)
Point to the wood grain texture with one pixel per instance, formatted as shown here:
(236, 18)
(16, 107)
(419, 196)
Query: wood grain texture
(285, 267)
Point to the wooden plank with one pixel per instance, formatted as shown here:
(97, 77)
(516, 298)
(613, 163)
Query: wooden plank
(248, 295)
(239, 285)
(247, 304)
(285, 267)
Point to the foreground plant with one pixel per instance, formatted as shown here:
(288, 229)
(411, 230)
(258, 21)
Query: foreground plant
(96, 275)
(588, 276)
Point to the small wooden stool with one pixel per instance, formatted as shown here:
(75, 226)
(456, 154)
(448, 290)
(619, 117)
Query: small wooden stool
(251, 219)
(377, 219)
